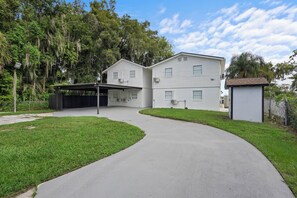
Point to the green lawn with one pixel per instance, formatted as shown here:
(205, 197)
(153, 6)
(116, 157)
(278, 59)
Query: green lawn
(33, 152)
(26, 112)
(277, 144)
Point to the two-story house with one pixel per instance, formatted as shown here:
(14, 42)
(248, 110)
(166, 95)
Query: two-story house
(188, 80)
(185, 80)
(133, 75)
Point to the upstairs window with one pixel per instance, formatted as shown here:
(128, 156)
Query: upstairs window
(168, 95)
(185, 58)
(115, 75)
(132, 74)
(197, 95)
(197, 70)
(179, 59)
(168, 72)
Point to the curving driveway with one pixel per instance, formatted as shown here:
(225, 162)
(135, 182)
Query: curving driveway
(175, 159)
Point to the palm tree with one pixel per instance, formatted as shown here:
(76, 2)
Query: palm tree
(246, 65)
(5, 57)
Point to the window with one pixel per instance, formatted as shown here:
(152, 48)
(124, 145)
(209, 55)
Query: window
(179, 59)
(115, 75)
(168, 72)
(132, 74)
(185, 58)
(197, 70)
(197, 95)
(115, 95)
(134, 95)
(168, 95)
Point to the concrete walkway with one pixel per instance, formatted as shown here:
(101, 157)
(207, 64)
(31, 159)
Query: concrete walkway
(11, 119)
(175, 159)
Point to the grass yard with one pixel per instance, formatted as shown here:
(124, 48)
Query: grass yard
(33, 152)
(26, 112)
(277, 144)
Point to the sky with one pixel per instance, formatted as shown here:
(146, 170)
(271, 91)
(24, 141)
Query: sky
(221, 27)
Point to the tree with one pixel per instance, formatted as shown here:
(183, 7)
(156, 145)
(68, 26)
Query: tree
(245, 65)
(294, 65)
(5, 57)
(283, 69)
(56, 40)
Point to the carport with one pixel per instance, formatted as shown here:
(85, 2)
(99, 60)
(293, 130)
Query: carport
(60, 100)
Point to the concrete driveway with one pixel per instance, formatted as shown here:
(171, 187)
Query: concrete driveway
(175, 159)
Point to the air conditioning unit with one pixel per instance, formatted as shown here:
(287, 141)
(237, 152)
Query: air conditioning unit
(174, 102)
(121, 80)
(156, 80)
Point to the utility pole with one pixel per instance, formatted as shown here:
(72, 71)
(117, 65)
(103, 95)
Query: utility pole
(16, 66)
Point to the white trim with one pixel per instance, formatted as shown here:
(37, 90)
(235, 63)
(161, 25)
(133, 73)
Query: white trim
(221, 59)
(199, 99)
(121, 61)
(171, 73)
(172, 95)
(113, 75)
(197, 66)
(133, 72)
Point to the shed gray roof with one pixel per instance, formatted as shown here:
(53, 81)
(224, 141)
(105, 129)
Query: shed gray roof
(237, 82)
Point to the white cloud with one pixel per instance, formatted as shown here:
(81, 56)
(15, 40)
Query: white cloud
(162, 10)
(229, 11)
(270, 32)
(272, 2)
(185, 24)
(174, 25)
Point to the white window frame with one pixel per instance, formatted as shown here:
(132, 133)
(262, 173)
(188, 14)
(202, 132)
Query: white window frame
(132, 73)
(179, 59)
(168, 74)
(115, 75)
(195, 95)
(134, 95)
(166, 92)
(197, 70)
(185, 58)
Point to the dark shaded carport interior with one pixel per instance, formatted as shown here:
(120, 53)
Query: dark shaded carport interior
(60, 101)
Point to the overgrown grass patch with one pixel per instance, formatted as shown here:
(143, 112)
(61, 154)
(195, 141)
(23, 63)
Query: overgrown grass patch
(276, 143)
(33, 152)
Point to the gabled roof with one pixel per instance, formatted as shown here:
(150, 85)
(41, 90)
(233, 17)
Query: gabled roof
(238, 82)
(122, 60)
(221, 59)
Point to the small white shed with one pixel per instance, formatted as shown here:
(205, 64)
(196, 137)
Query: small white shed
(246, 96)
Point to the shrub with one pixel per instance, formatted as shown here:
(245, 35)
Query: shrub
(292, 112)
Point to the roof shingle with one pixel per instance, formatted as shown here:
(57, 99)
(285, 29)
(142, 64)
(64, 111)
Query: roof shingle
(246, 82)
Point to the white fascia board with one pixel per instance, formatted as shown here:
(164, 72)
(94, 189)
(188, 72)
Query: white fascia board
(121, 61)
(221, 59)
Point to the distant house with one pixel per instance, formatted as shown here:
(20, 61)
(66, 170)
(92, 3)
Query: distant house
(184, 80)
(246, 97)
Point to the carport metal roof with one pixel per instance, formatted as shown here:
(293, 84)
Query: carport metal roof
(93, 86)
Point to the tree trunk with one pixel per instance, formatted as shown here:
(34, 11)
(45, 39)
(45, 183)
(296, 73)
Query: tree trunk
(14, 89)
(43, 86)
